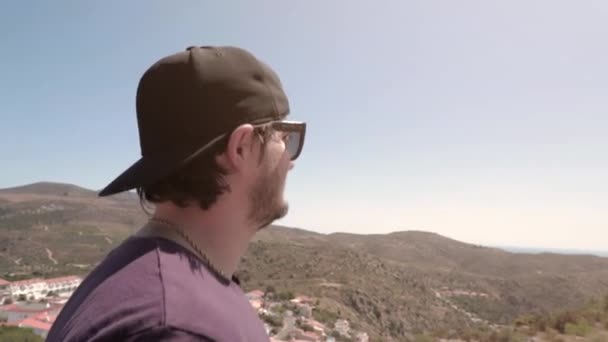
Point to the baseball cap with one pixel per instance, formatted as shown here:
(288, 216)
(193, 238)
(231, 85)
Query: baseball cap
(186, 100)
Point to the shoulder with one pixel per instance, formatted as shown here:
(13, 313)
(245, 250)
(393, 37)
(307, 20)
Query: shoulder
(122, 294)
(153, 286)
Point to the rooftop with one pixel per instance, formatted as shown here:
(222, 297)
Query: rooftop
(27, 281)
(62, 279)
(33, 322)
(20, 307)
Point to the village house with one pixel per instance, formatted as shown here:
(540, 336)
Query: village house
(37, 316)
(20, 311)
(30, 288)
(304, 304)
(40, 324)
(303, 300)
(256, 304)
(63, 284)
(361, 337)
(342, 327)
(255, 294)
(317, 327)
(256, 299)
(299, 324)
(37, 288)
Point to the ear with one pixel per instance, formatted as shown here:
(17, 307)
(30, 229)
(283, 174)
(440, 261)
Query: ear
(238, 149)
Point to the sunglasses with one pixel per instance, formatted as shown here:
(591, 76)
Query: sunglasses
(294, 133)
(294, 137)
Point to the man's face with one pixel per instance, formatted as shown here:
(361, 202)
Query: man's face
(266, 201)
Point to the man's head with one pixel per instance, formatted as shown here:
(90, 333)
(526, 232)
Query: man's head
(212, 124)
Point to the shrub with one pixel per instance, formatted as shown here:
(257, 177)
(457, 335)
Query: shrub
(324, 316)
(581, 328)
(270, 289)
(304, 326)
(504, 335)
(288, 295)
(560, 320)
(274, 320)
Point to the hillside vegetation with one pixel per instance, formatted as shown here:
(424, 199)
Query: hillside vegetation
(398, 286)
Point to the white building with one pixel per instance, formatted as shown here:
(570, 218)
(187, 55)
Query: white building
(342, 327)
(4, 290)
(361, 337)
(63, 284)
(32, 288)
(39, 288)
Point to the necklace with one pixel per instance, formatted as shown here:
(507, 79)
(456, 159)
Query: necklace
(222, 275)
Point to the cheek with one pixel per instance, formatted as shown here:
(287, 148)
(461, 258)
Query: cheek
(276, 160)
(277, 156)
(284, 163)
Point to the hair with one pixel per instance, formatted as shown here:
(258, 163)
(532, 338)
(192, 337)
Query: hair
(202, 180)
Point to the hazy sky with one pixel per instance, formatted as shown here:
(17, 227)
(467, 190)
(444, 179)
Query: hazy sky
(485, 121)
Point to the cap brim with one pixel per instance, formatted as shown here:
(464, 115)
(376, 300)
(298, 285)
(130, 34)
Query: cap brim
(143, 172)
(128, 180)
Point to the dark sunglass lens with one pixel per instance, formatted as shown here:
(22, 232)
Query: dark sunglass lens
(293, 144)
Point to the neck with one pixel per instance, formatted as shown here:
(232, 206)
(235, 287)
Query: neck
(218, 232)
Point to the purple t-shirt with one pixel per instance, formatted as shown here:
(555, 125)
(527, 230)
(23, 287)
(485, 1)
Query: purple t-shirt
(153, 289)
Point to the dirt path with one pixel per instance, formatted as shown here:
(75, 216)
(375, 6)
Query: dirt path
(331, 284)
(473, 317)
(50, 255)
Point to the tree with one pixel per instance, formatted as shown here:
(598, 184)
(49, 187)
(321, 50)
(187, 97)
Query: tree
(274, 320)
(270, 289)
(306, 327)
(288, 295)
(563, 318)
(303, 325)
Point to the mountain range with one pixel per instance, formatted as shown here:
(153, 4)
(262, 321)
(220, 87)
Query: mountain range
(393, 285)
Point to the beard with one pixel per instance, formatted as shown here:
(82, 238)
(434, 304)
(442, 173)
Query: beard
(266, 204)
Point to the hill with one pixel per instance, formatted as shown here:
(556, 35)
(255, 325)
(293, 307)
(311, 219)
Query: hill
(49, 188)
(51, 228)
(390, 285)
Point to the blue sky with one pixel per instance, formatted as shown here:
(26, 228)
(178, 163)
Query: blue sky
(484, 121)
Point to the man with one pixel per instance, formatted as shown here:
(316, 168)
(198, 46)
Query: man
(216, 150)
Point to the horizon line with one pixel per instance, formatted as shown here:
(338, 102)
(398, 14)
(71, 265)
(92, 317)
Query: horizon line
(519, 249)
